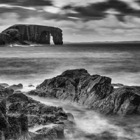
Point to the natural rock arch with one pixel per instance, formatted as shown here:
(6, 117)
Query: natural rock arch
(44, 37)
(34, 34)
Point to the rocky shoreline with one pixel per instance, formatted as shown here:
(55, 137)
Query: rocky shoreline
(18, 112)
(93, 91)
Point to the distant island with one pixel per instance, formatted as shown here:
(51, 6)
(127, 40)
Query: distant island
(31, 34)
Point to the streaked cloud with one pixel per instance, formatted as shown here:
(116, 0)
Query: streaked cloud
(16, 6)
(27, 2)
(51, 9)
(81, 20)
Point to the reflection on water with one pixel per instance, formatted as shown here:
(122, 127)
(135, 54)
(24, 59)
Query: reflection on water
(90, 125)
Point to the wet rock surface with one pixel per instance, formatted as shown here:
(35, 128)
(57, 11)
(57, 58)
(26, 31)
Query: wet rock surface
(93, 91)
(16, 87)
(5, 92)
(19, 112)
(37, 113)
(56, 132)
(12, 126)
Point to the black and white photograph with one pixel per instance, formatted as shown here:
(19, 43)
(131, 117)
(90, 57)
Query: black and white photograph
(69, 69)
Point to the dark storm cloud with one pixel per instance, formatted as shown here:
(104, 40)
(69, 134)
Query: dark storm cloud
(122, 7)
(99, 10)
(96, 11)
(27, 2)
(138, 1)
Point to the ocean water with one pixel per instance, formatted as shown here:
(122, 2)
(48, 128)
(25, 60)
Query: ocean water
(90, 125)
(32, 65)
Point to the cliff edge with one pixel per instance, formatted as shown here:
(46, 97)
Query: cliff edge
(28, 34)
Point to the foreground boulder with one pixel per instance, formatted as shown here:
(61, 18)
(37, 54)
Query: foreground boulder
(56, 132)
(122, 101)
(28, 34)
(38, 114)
(12, 126)
(5, 92)
(93, 91)
(19, 112)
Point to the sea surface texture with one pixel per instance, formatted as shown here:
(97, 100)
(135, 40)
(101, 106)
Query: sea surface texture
(31, 65)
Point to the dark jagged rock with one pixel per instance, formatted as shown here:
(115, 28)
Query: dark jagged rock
(5, 92)
(93, 91)
(12, 126)
(4, 85)
(37, 113)
(16, 87)
(14, 123)
(27, 34)
(77, 85)
(17, 126)
(56, 132)
(123, 101)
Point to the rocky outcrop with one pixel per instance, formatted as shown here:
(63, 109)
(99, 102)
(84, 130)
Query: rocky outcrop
(27, 34)
(14, 123)
(93, 91)
(12, 126)
(56, 132)
(122, 101)
(37, 113)
(5, 92)
(16, 87)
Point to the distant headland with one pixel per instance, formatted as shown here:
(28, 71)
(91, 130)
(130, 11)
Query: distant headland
(31, 34)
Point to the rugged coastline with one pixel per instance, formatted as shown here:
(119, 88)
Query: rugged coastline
(95, 92)
(24, 34)
(19, 112)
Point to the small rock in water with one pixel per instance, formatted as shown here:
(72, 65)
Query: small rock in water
(16, 87)
(4, 85)
(30, 85)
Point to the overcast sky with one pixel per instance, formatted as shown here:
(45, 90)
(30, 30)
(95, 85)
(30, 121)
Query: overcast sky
(80, 20)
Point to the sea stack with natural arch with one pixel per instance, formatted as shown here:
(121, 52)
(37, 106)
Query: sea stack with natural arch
(31, 34)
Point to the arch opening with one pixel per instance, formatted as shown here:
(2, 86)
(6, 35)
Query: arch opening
(57, 38)
(51, 40)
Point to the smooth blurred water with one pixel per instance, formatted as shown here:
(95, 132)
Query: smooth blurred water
(90, 125)
(31, 65)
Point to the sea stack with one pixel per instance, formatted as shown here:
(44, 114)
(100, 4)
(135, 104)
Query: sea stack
(28, 34)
